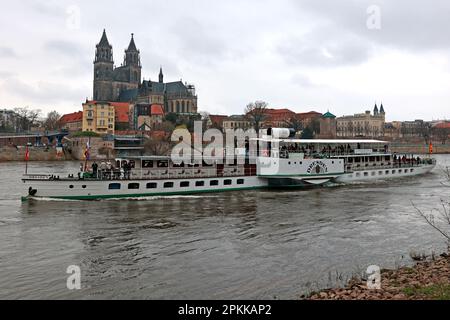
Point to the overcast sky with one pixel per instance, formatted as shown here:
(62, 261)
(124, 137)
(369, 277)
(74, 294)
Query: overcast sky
(299, 54)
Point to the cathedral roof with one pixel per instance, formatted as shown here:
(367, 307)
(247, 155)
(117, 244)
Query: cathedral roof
(128, 95)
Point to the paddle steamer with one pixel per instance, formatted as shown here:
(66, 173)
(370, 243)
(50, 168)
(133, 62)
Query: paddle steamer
(278, 162)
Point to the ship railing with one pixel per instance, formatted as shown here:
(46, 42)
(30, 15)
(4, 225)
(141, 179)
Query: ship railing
(388, 165)
(37, 176)
(177, 173)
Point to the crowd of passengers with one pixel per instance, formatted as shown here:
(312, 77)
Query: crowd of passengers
(107, 170)
(310, 149)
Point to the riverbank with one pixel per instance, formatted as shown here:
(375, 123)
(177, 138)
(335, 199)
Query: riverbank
(426, 280)
(419, 148)
(35, 154)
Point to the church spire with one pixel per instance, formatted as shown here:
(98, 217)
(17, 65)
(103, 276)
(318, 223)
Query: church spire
(375, 109)
(104, 50)
(132, 57)
(382, 108)
(161, 76)
(104, 40)
(132, 45)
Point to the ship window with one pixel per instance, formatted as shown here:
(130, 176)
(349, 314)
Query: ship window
(373, 173)
(152, 185)
(184, 184)
(289, 162)
(199, 183)
(411, 170)
(133, 185)
(227, 182)
(214, 183)
(387, 158)
(83, 186)
(380, 173)
(168, 184)
(71, 186)
(358, 174)
(240, 181)
(386, 172)
(114, 186)
(393, 171)
(366, 174)
(400, 171)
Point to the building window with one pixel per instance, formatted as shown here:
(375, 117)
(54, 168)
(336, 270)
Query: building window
(114, 186)
(133, 185)
(152, 185)
(168, 184)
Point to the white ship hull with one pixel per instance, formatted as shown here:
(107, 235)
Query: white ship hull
(384, 173)
(101, 189)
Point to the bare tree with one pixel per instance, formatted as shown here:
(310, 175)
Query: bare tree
(443, 215)
(158, 145)
(295, 123)
(256, 113)
(441, 133)
(26, 118)
(52, 121)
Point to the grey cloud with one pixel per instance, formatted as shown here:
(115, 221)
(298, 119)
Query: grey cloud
(325, 47)
(406, 24)
(7, 52)
(71, 58)
(45, 92)
(303, 81)
(197, 42)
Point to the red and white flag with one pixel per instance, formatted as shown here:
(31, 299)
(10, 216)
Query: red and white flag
(27, 154)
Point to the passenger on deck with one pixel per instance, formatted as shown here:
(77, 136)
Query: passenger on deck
(102, 169)
(94, 169)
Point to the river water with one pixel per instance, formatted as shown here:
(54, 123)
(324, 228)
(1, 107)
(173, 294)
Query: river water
(254, 244)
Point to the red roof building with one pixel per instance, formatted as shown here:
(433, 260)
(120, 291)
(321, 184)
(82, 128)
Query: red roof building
(156, 110)
(216, 121)
(72, 121)
(278, 117)
(307, 117)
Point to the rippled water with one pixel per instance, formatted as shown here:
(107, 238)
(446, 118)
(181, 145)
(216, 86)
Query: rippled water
(254, 244)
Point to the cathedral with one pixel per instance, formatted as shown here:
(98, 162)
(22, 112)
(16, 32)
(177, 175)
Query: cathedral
(123, 84)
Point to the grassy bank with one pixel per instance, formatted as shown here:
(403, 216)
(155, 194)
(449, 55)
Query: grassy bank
(426, 280)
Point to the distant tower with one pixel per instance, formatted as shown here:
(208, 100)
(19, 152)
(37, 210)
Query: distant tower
(161, 76)
(382, 109)
(375, 110)
(132, 62)
(103, 70)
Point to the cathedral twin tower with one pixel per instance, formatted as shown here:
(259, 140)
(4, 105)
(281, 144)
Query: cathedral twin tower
(109, 82)
(124, 83)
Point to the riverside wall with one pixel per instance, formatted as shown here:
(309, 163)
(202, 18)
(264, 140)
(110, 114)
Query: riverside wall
(419, 148)
(8, 153)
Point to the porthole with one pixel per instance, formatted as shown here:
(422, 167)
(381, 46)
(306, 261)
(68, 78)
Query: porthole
(71, 186)
(83, 186)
